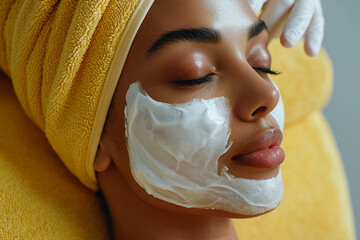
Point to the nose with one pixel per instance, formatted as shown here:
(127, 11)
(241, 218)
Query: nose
(257, 98)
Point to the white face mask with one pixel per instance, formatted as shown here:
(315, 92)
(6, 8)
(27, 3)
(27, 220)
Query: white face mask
(174, 152)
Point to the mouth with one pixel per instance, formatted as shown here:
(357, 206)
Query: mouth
(263, 151)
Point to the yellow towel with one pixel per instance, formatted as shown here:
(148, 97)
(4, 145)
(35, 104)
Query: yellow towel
(64, 59)
(39, 197)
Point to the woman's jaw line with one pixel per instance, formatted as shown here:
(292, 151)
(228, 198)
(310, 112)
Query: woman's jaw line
(154, 205)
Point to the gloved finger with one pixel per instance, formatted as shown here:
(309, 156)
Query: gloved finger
(274, 13)
(256, 5)
(315, 33)
(298, 21)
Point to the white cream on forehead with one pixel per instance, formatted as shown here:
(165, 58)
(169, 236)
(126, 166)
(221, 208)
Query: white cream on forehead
(174, 152)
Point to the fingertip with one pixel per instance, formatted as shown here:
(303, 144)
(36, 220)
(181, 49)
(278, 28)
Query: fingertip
(315, 34)
(311, 50)
(312, 45)
(285, 42)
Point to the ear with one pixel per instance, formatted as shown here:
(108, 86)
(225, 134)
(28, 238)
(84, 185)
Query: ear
(102, 159)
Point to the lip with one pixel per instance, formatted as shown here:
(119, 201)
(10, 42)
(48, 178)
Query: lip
(263, 151)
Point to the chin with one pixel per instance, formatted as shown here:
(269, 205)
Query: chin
(239, 216)
(213, 212)
(224, 214)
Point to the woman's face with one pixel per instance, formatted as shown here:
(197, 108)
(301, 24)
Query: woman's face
(202, 49)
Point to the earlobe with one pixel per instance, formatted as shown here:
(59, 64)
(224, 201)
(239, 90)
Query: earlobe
(102, 160)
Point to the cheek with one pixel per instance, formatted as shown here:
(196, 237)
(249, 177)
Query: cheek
(175, 147)
(116, 129)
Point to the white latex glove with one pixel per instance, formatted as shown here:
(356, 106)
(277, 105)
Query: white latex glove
(293, 19)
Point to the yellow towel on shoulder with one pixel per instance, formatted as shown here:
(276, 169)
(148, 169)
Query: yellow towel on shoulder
(64, 59)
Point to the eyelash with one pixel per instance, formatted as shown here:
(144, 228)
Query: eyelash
(268, 71)
(194, 82)
(210, 77)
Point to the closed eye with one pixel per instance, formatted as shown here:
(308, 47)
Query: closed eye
(210, 77)
(194, 82)
(268, 71)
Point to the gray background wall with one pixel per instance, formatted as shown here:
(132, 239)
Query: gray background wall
(342, 41)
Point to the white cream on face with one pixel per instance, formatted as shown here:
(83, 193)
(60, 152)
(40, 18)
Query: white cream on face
(174, 152)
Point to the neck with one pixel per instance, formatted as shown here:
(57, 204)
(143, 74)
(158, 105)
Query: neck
(133, 218)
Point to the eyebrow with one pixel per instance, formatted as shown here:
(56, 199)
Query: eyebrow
(257, 28)
(200, 35)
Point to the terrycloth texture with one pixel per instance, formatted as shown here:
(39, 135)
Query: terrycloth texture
(64, 59)
(39, 197)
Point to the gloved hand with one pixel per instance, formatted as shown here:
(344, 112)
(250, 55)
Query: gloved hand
(293, 19)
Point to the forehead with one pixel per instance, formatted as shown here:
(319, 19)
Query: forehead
(228, 16)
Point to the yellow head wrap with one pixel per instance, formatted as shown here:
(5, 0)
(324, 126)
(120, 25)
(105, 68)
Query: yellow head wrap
(64, 59)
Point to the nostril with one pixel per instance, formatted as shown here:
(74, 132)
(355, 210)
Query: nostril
(259, 110)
